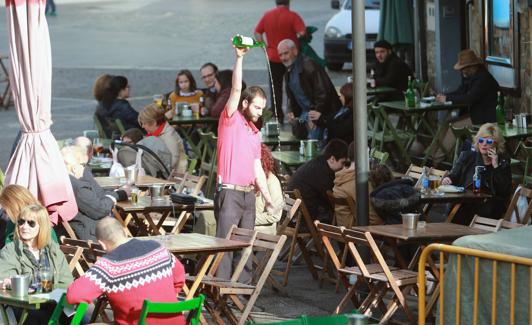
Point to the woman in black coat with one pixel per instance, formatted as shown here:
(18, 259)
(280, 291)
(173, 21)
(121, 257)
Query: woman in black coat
(495, 178)
(341, 125)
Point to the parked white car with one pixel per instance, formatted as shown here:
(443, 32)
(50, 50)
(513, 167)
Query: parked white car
(337, 39)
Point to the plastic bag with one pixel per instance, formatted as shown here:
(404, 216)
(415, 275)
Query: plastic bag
(522, 206)
(117, 170)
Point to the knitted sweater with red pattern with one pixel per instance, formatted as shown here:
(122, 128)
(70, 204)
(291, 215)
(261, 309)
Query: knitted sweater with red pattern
(132, 272)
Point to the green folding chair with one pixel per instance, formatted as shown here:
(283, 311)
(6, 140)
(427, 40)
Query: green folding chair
(61, 305)
(313, 320)
(194, 307)
(120, 126)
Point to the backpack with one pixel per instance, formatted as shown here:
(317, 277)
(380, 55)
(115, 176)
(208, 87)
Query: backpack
(395, 197)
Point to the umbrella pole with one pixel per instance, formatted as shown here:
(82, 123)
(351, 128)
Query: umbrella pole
(360, 116)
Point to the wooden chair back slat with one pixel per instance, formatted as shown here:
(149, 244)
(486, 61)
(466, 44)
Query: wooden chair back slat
(354, 237)
(513, 207)
(509, 225)
(73, 255)
(487, 224)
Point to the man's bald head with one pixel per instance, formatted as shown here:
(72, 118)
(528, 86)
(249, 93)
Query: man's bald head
(85, 144)
(111, 232)
(287, 51)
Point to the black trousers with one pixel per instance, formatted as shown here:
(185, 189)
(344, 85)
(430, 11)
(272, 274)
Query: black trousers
(278, 71)
(233, 208)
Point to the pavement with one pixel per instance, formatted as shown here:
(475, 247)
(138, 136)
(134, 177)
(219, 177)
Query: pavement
(148, 41)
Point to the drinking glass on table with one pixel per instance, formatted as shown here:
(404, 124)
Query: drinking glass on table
(434, 184)
(98, 147)
(46, 277)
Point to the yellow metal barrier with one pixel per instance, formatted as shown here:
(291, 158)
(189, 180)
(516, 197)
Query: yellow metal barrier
(477, 254)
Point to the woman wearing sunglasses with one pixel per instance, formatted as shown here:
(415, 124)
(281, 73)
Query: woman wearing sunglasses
(496, 178)
(32, 241)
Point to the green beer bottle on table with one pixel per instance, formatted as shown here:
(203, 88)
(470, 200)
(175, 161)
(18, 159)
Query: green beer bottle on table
(246, 42)
(499, 111)
(410, 95)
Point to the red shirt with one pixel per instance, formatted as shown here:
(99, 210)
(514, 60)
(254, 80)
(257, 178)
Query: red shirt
(278, 24)
(238, 147)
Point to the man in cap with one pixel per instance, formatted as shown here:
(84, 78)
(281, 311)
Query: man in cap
(478, 89)
(390, 70)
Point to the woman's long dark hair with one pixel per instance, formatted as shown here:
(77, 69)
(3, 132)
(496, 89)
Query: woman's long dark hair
(116, 84)
(191, 81)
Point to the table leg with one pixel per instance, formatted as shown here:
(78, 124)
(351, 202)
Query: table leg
(143, 229)
(5, 319)
(23, 317)
(199, 276)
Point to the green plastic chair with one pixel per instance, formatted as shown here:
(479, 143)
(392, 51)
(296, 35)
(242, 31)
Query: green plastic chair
(62, 304)
(313, 320)
(194, 307)
(120, 126)
(379, 156)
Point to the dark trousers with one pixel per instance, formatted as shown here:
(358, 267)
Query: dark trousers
(278, 70)
(233, 208)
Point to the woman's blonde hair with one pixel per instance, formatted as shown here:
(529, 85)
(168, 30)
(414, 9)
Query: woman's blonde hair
(14, 198)
(491, 130)
(150, 114)
(38, 213)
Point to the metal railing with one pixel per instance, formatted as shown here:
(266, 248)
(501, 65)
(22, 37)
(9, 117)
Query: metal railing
(495, 259)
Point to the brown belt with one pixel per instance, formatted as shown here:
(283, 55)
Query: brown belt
(240, 188)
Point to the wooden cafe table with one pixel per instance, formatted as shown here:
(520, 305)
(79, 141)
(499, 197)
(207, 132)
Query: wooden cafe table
(27, 303)
(141, 182)
(415, 120)
(192, 243)
(396, 235)
(457, 199)
(143, 209)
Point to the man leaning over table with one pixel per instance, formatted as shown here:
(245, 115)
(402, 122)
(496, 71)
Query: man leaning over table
(239, 166)
(312, 98)
(131, 271)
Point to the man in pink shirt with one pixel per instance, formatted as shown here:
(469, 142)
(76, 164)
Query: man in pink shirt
(278, 24)
(239, 166)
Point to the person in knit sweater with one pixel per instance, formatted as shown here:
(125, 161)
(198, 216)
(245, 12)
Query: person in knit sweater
(131, 271)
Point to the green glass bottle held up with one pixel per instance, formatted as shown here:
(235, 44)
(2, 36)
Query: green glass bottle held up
(246, 42)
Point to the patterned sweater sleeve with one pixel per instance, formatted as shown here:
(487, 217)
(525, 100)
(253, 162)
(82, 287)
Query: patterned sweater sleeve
(83, 289)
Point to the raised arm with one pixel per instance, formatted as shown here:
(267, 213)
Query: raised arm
(236, 88)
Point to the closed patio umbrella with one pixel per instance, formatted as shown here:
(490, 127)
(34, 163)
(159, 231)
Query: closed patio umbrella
(37, 162)
(396, 22)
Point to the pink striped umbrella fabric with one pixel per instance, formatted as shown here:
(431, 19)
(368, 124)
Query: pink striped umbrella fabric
(37, 162)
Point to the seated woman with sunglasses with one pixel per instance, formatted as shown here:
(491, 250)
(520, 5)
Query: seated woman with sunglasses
(31, 245)
(13, 199)
(496, 178)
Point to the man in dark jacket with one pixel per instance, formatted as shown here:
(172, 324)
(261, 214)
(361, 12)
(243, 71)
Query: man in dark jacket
(478, 89)
(312, 98)
(390, 70)
(316, 177)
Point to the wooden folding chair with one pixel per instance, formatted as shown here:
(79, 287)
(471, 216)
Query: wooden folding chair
(522, 192)
(380, 277)
(73, 255)
(345, 203)
(415, 172)
(220, 291)
(70, 232)
(207, 166)
(492, 225)
(87, 259)
(288, 227)
(329, 233)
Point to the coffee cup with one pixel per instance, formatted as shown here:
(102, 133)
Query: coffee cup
(410, 220)
(20, 285)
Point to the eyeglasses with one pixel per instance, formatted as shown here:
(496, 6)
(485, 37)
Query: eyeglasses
(489, 141)
(30, 223)
(210, 75)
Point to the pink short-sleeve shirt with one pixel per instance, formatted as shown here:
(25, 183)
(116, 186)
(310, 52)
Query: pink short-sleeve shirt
(238, 147)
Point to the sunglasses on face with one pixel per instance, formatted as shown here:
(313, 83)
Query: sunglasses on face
(488, 141)
(30, 223)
